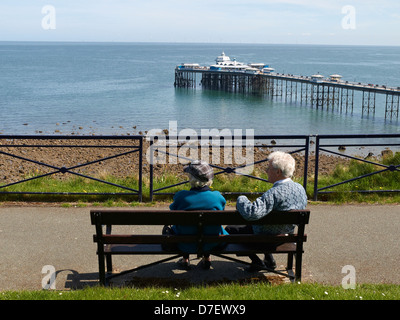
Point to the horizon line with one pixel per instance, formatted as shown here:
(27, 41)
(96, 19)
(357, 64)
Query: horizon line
(190, 42)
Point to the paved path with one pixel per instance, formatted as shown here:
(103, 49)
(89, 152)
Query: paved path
(364, 236)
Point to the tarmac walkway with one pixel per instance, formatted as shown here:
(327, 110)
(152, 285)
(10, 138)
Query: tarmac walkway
(32, 237)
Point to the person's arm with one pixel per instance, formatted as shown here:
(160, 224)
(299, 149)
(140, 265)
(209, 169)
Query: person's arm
(255, 210)
(174, 204)
(223, 202)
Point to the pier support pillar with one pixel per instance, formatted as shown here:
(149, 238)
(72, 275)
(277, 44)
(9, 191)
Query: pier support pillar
(185, 79)
(278, 88)
(392, 106)
(317, 95)
(368, 102)
(333, 97)
(305, 93)
(346, 100)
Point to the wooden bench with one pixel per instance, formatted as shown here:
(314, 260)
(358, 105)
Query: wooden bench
(109, 244)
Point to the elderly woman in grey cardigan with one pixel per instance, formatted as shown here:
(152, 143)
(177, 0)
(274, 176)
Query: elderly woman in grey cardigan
(284, 195)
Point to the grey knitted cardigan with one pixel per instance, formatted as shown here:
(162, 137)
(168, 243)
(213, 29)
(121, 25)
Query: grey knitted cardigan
(284, 195)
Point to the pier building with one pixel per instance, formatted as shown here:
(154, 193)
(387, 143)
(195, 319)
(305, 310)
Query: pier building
(316, 90)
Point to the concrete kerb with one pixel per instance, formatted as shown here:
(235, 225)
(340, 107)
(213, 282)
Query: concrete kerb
(34, 237)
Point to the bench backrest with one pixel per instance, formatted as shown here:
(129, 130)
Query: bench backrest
(204, 217)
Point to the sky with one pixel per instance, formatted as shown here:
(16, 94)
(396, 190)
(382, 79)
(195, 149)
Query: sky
(336, 22)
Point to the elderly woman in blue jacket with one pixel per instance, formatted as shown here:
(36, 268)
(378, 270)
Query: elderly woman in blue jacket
(199, 197)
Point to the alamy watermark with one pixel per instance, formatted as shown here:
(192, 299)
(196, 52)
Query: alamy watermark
(49, 280)
(49, 20)
(349, 20)
(189, 144)
(349, 280)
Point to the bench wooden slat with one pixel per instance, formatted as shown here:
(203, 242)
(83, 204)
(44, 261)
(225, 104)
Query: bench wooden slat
(233, 238)
(209, 217)
(235, 248)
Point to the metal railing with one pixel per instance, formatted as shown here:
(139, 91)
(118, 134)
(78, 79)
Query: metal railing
(14, 148)
(328, 141)
(125, 149)
(169, 144)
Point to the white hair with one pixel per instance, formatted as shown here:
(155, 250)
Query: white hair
(284, 162)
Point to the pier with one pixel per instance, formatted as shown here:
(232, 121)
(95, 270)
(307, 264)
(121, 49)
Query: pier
(316, 90)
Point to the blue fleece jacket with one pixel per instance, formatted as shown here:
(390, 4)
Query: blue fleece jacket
(198, 199)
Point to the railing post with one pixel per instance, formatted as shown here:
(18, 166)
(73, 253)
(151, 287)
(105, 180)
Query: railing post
(151, 170)
(316, 168)
(306, 155)
(141, 169)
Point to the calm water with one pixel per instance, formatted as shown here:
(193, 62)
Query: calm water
(64, 88)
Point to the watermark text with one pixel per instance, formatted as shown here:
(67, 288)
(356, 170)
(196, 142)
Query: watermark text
(49, 20)
(215, 146)
(349, 280)
(49, 280)
(349, 20)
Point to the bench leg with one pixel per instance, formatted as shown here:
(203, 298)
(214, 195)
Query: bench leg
(109, 263)
(289, 267)
(102, 271)
(298, 266)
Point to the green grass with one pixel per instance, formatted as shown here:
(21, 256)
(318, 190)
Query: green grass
(387, 180)
(85, 187)
(249, 291)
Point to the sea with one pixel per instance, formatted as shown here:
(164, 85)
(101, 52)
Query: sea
(56, 88)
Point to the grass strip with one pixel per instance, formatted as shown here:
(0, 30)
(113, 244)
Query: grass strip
(232, 291)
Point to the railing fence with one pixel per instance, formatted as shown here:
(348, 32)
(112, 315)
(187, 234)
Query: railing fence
(240, 144)
(10, 146)
(129, 150)
(323, 142)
